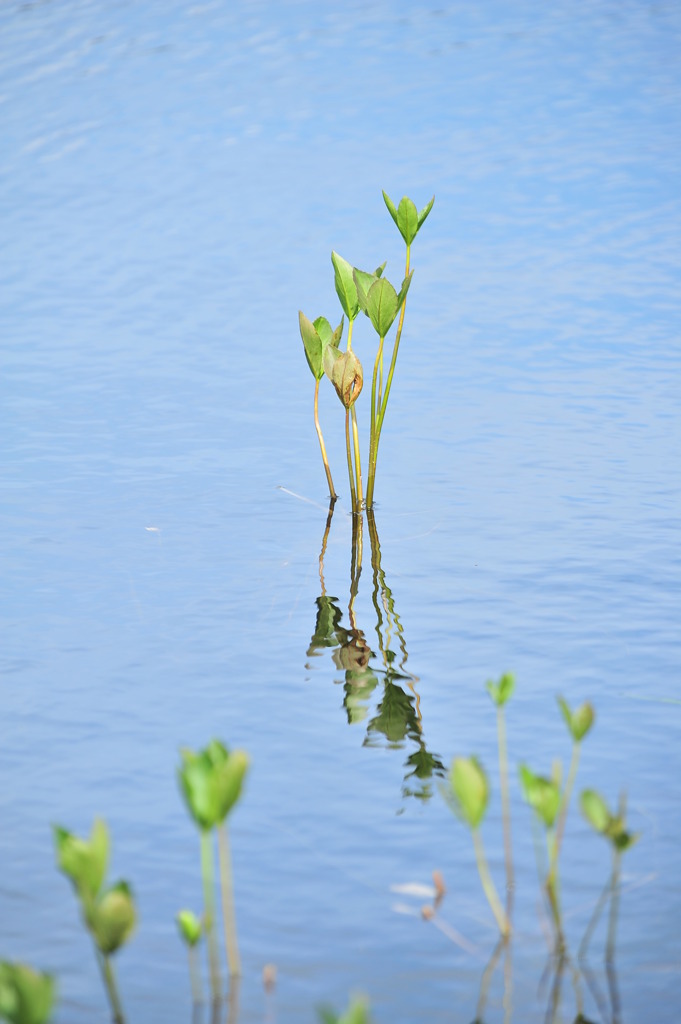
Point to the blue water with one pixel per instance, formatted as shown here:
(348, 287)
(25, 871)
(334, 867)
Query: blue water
(173, 179)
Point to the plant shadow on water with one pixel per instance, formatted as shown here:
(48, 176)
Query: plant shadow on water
(396, 718)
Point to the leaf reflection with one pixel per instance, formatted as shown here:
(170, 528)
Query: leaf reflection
(392, 713)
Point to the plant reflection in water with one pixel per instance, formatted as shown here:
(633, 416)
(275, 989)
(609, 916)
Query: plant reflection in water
(396, 718)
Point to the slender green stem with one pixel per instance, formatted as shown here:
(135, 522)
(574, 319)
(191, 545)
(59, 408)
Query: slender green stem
(353, 493)
(378, 364)
(321, 442)
(109, 977)
(614, 905)
(505, 807)
(551, 888)
(207, 873)
(228, 911)
(358, 463)
(350, 327)
(195, 975)
(564, 804)
(488, 885)
(383, 404)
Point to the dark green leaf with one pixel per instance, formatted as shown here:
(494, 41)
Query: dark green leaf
(345, 286)
(391, 207)
(323, 329)
(363, 282)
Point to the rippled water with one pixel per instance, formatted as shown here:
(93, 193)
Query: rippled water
(174, 178)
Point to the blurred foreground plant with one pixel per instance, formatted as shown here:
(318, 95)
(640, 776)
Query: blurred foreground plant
(26, 995)
(109, 914)
(211, 782)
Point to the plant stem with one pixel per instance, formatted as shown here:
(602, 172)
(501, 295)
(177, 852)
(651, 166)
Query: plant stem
(207, 873)
(109, 977)
(228, 912)
(505, 807)
(565, 802)
(321, 442)
(351, 324)
(194, 975)
(353, 493)
(378, 363)
(488, 885)
(610, 942)
(358, 464)
(384, 403)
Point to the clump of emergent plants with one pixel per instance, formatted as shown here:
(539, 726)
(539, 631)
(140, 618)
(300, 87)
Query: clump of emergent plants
(108, 912)
(468, 792)
(374, 295)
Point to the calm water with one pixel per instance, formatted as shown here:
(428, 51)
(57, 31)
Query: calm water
(174, 177)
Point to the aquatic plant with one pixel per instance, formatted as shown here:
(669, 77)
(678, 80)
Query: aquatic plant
(356, 1013)
(468, 795)
(550, 802)
(108, 913)
(211, 782)
(501, 693)
(26, 996)
(379, 300)
(191, 930)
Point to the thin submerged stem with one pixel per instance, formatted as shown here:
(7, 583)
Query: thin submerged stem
(332, 489)
(207, 874)
(505, 807)
(195, 975)
(488, 885)
(228, 911)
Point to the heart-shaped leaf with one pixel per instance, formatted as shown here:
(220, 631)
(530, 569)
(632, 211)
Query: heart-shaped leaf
(344, 370)
(382, 305)
(345, 286)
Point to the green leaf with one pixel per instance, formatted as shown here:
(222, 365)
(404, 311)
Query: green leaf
(323, 329)
(470, 789)
(230, 779)
(424, 212)
(579, 722)
(344, 370)
(313, 344)
(112, 920)
(26, 995)
(84, 861)
(356, 1013)
(502, 691)
(595, 810)
(542, 794)
(345, 286)
(406, 218)
(199, 787)
(363, 282)
(382, 305)
(189, 926)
